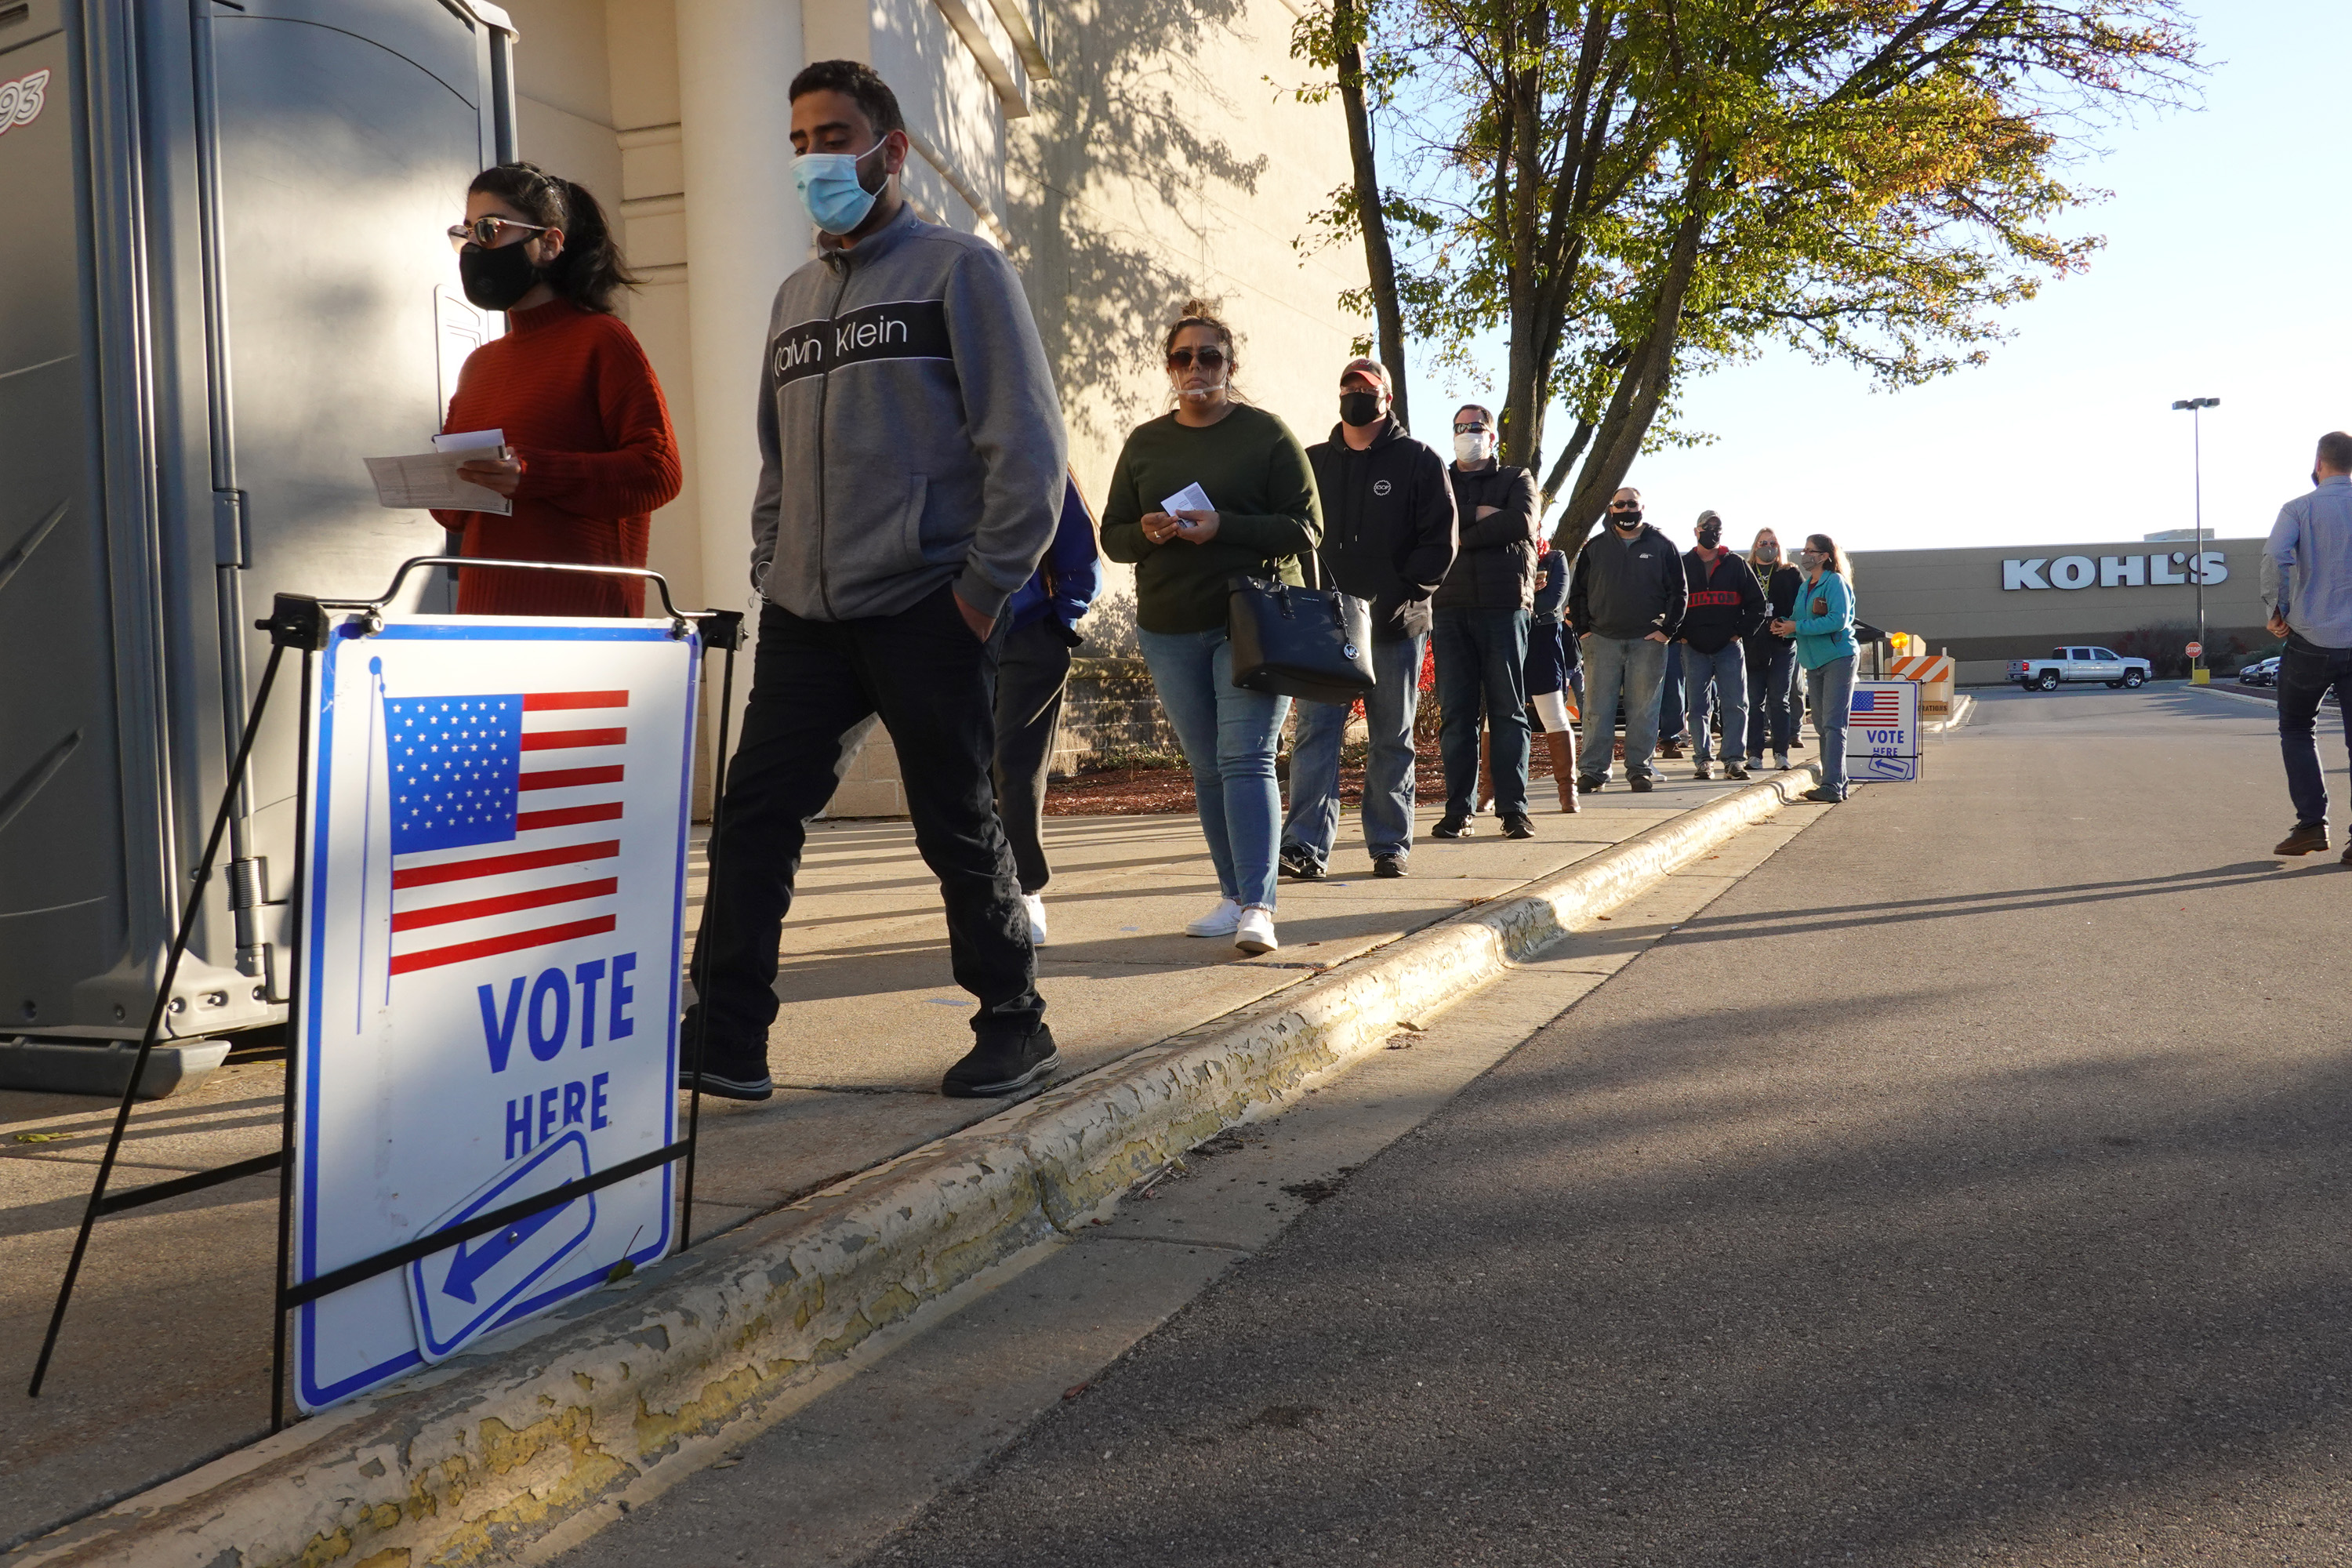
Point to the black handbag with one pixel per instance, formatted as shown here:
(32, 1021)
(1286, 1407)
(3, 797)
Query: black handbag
(1315, 643)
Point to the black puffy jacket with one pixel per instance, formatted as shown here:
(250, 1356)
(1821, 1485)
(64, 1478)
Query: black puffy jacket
(1496, 567)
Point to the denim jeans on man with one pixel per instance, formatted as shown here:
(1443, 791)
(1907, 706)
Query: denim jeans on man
(2307, 672)
(1482, 662)
(1670, 696)
(1829, 688)
(1313, 824)
(813, 686)
(1228, 736)
(1771, 695)
(1635, 668)
(1726, 671)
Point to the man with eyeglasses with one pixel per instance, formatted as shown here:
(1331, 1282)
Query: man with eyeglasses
(1480, 628)
(1626, 601)
(913, 476)
(1388, 538)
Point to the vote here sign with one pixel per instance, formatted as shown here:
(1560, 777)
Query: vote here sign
(1882, 736)
(492, 908)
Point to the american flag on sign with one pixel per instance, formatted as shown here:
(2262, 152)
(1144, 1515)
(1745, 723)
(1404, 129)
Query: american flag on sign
(1878, 706)
(498, 812)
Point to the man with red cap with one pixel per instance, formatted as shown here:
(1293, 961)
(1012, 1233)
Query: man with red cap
(1388, 538)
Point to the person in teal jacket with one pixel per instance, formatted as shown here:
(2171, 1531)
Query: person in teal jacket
(1823, 623)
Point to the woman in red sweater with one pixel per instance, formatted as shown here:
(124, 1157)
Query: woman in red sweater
(593, 451)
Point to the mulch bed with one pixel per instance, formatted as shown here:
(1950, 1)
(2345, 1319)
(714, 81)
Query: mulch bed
(1141, 792)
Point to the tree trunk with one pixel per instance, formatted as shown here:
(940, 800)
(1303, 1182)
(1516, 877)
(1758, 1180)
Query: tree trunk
(1379, 261)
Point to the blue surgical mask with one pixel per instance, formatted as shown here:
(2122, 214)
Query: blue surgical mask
(836, 200)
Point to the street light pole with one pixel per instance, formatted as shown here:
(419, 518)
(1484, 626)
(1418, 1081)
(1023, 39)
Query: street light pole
(2196, 405)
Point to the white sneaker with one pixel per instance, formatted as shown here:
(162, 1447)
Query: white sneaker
(1219, 922)
(1036, 903)
(1254, 933)
(1781, 761)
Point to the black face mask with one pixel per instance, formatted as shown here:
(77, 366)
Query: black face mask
(1710, 534)
(495, 279)
(1626, 519)
(1360, 408)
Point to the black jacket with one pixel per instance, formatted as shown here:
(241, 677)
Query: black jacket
(1495, 569)
(1725, 603)
(1388, 525)
(1780, 602)
(1629, 589)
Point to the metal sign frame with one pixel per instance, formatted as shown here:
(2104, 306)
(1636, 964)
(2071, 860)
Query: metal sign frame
(302, 625)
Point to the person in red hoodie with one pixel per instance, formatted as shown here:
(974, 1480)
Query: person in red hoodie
(1726, 606)
(592, 455)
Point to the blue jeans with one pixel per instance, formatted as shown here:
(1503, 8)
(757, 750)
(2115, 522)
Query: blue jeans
(2307, 672)
(1670, 695)
(1637, 668)
(1228, 736)
(1829, 688)
(1771, 695)
(1726, 669)
(1313, 824)
(1482, 661)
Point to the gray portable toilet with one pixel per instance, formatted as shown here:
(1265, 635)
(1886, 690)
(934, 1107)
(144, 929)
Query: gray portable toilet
(227, 281)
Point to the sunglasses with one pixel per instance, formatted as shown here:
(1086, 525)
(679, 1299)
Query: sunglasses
(1472, 428)
(1625, 506)
(488, 233)
(1183, 359)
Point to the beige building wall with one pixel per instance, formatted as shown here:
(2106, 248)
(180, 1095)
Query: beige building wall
(1956, 599)
(1125, 153)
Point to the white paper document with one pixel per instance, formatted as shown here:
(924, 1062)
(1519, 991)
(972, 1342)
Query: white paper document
(1192, 497)
(430, 480)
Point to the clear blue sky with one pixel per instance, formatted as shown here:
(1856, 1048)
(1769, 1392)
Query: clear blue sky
(2228, 260)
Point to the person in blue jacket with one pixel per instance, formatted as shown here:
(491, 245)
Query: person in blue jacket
(1045, 613)
(1823, 623)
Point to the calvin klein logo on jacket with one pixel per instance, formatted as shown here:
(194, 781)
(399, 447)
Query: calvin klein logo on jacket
(894, 329)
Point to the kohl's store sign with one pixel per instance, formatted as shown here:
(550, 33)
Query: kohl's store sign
(2155, 571)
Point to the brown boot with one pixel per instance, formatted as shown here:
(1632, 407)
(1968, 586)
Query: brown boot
(1485, 769)
(1563, 765)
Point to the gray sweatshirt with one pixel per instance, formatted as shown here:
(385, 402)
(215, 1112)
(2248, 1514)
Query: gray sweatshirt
(909, 435)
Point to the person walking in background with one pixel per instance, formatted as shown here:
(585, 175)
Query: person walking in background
(1263, 515)
(1726, 605)
(1482, 632)
(1822, 625)
(591, 454)
(1388, 538)
(1625, 600)
(2307, 584)
(1772, 659)
(909, 486)
(1030, 680)
(1551, 673)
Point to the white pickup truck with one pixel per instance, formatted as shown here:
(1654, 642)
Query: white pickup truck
(2074, 664)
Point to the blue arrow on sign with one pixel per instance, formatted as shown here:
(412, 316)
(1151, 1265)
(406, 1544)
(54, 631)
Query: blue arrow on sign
(469, 1289)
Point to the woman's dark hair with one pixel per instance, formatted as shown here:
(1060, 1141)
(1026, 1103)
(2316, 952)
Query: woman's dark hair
(1837, 562)
(590, 270)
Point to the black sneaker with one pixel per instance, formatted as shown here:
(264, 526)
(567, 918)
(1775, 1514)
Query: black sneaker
(1001, 1067)
(1641, 783)
(1299, 866)
(1452, 827)
(730, 1071)
(1388, 865)
(1586, 786)
(1826, 796)
(1517, 826)
(1734, 770)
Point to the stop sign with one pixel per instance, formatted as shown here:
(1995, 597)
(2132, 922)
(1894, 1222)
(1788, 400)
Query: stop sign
(2195, 648)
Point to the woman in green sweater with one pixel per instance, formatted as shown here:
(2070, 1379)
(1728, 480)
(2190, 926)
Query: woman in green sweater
(1262, 515)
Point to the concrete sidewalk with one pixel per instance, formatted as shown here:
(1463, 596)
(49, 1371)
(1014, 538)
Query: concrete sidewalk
(165, 1360)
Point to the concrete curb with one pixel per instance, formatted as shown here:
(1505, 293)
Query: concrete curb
(533, 1438)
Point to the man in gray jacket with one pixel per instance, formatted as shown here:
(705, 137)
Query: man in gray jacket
(1626, 601)
(913, 467)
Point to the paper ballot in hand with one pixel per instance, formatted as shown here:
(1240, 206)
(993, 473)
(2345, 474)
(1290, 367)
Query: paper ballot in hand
(1192, 497)
(431, 479)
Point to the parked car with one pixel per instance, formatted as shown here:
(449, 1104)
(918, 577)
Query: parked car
(2079, 664)
(2259, 673)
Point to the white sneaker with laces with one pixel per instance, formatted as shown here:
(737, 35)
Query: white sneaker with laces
(1219, 922)
(1254, 933)
(1781, 761)
(1036, 903)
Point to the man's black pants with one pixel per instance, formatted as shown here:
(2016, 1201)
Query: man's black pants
(812, 684)
(1030, 680)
